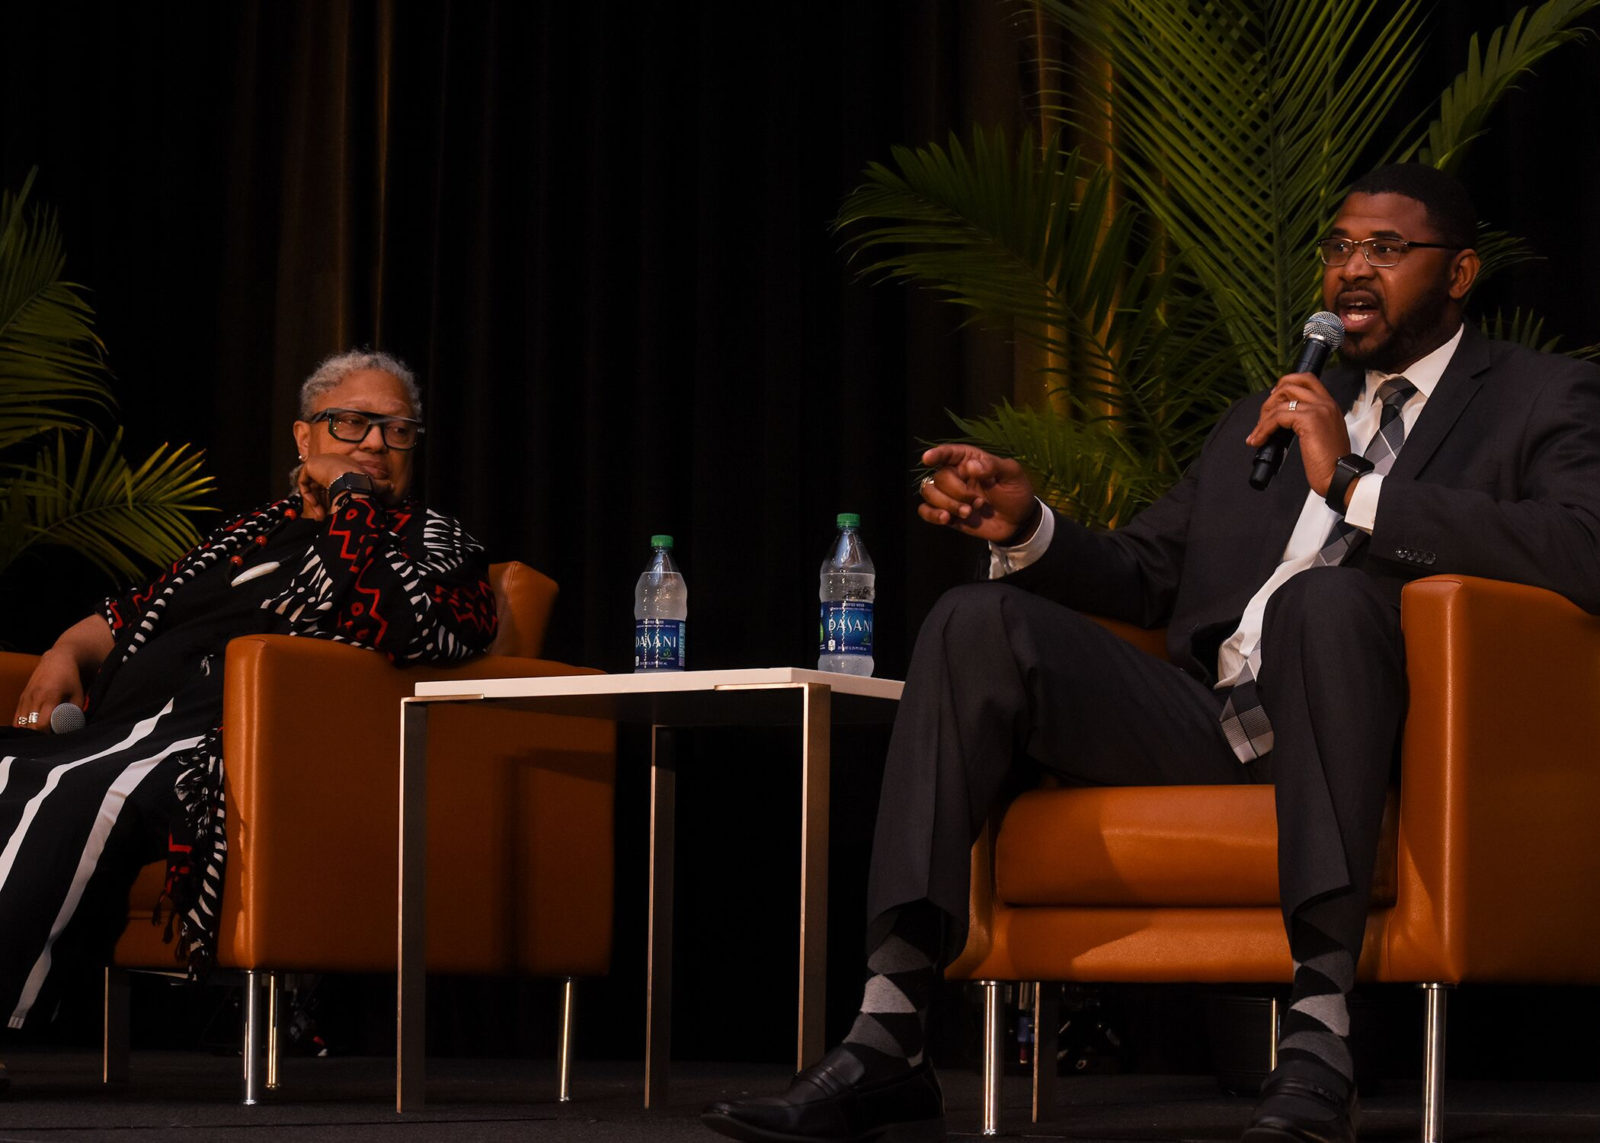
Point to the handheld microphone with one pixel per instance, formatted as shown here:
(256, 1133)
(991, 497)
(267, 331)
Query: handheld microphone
(66, 718)
(1323, 333)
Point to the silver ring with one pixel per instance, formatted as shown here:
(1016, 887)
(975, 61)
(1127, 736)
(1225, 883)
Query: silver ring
(1293, 404)
(927, 480)
(33, 717)
(22, 720)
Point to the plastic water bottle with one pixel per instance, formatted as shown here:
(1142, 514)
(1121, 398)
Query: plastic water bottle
(846, 591)
(660, 611)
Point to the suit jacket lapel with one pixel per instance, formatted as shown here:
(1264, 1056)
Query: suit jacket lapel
(1461, 380)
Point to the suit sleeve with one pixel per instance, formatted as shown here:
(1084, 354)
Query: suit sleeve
(1527, 511)
(406, 581)
(1131, 573)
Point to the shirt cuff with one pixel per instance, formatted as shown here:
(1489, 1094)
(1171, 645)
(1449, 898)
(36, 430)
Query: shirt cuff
(1005, 560)
(1363, 510)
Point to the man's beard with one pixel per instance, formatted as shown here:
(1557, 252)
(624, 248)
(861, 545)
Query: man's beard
(1425, 328)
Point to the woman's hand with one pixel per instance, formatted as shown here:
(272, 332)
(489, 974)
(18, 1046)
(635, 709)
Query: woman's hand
(313, 478)
(61, 672)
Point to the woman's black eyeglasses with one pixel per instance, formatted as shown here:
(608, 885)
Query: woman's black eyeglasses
(353, 425)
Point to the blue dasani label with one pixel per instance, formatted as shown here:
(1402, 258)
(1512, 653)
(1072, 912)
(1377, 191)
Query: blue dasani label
(846, 628)
(658, 644)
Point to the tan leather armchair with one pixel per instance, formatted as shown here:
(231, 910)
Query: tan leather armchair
(520, 853)
(1488, 862)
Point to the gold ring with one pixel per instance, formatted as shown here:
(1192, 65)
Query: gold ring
(1293, 404)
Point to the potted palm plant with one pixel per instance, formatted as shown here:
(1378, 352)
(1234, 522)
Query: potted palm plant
(1152, 240)
(65, 482)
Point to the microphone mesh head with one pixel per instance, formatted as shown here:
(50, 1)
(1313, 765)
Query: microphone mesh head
(66, 718)
(1324, 327)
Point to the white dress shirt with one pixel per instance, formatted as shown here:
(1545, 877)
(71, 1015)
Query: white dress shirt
(1316, 518)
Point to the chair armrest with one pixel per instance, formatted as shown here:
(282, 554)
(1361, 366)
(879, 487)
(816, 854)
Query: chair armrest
(523, 598)
(15, 670)
(1499, 788)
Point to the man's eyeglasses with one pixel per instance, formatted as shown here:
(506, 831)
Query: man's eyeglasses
(1380, 252)
(353, 425)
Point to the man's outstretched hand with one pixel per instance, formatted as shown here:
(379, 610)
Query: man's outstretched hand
(977, 493)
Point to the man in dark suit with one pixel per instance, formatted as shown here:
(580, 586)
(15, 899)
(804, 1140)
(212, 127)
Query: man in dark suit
(1429, 449)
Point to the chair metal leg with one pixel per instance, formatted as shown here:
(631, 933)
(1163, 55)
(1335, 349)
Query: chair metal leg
(1433, 1065)
(1046, 1038)
(114, 1042)
(253, 1036)
(1275, 1015)
(272, 1031)
(569, 988)
(993, 1047)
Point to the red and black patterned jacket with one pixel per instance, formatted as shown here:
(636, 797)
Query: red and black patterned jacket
(406, 581)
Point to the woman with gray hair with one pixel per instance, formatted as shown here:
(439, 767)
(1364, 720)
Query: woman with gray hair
(345, 556)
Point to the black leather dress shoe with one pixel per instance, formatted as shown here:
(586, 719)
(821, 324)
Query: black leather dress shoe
(1281, 1113)
(833, 1102)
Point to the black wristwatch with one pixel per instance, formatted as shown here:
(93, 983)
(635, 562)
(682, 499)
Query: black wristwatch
(1345, 471)
(355, 483)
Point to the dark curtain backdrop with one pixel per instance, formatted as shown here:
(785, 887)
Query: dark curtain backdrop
(599, 232)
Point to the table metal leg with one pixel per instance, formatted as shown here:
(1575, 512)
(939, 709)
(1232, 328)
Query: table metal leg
(411, 986)
(815, 762)
(658, 968)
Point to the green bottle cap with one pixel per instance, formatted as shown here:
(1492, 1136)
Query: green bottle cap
(661, 541)
(849, 520)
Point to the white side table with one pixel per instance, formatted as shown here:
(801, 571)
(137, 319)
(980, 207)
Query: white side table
(772, 696)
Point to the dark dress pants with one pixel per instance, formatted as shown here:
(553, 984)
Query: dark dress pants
(1005, 686)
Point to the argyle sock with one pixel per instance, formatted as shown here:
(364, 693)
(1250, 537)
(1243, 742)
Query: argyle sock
(890, 1032)
(1314, 1041)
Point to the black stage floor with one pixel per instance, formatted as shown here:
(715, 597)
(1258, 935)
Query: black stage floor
(55, 1097)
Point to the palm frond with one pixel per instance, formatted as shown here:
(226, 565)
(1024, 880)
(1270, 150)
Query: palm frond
(1086, 469)
(1526, 328)
(1520, 326)
(990, 228)
(90, 499)
(1032, 238)
(50, 359)
(1235, 126)
(1508, 57)
(1498, 251)
(1179, 268)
